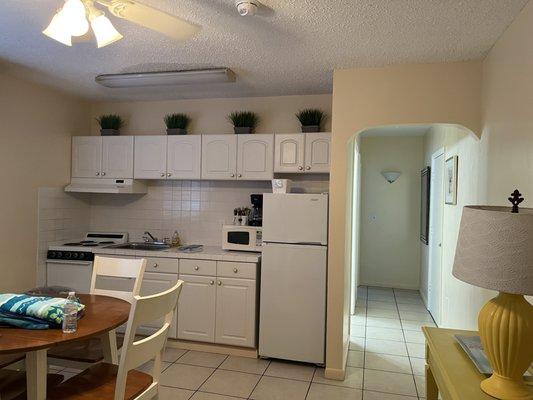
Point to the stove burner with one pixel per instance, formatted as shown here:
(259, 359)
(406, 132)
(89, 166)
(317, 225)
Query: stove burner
(106, 242)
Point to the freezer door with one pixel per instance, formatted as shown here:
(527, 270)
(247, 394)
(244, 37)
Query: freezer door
(295, 218)
(293, 302)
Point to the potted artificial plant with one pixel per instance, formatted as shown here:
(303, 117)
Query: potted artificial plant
(177, 124)
(110, 124)
(244, 121)
(311, 119)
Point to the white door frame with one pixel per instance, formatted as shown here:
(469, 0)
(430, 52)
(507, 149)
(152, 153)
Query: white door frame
(433, 203)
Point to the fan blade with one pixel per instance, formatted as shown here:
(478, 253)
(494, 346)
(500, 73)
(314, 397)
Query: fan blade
(152, 18)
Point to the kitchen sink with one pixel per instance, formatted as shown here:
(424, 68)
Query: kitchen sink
(140, 246)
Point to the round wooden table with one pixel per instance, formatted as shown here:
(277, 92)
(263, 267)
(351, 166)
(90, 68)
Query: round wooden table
(102, 315)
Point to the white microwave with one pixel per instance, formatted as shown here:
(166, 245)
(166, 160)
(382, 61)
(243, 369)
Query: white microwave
(242, 238)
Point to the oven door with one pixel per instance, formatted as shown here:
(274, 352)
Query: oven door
(72, 274)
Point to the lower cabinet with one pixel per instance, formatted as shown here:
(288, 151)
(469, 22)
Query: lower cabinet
(196, 308)
(235, 312)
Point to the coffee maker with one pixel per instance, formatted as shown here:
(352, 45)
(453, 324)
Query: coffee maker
(256, 216)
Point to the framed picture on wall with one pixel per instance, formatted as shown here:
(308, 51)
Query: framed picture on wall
(424, 204)
(450, 176)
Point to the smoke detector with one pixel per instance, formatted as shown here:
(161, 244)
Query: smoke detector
(247, 7)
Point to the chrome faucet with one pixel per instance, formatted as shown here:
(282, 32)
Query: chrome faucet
(146, 239)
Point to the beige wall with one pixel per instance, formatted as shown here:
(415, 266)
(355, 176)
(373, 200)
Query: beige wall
(364, 98)
(390, 213)
(209, 116)
(35, 128)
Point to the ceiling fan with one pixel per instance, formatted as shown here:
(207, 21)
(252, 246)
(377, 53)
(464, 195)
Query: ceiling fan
(75, 16)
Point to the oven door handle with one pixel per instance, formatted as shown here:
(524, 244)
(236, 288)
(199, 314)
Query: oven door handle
(75, 262)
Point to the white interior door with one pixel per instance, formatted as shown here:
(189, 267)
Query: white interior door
(150, 157)
(436, 206)
(255, 157)
(184, 157)
(86, 156)
(117, 157)
(219, 157)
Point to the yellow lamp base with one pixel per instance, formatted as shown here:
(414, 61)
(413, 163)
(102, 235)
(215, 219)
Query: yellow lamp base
(506, 328)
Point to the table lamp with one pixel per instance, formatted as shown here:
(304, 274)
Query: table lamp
(495, 251)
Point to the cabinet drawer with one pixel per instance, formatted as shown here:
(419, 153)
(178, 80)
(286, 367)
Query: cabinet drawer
(230, 269)
(169, 265)
(198, 267)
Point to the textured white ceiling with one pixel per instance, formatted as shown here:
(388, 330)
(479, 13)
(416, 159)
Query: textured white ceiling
(293, 50)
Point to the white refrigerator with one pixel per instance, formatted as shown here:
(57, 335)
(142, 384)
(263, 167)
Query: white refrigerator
(292, 321)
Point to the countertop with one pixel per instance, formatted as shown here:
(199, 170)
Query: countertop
(208, 253)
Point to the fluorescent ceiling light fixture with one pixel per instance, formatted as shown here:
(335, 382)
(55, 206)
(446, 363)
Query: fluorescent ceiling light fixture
(391, 176)
(168, 78)
(104, 31)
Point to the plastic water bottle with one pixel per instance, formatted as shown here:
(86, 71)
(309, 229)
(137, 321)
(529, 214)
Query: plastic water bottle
(70, 314)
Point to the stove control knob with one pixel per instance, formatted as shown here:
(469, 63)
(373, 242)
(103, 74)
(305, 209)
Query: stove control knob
(59, 254)
(81, 256)
(68, 255)
(51, 254)
(75, 255)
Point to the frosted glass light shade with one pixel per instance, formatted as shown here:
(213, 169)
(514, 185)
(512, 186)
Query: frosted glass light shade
(104, 31)
(391, 176)
(73, 16)
(56, 30)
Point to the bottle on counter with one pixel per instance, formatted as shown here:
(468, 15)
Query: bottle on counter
(176, 241)
(70, 314)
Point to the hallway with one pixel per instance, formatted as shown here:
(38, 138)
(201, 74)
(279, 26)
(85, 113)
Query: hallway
(386, 341)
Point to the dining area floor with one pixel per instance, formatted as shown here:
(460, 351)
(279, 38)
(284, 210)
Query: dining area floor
(385, 361)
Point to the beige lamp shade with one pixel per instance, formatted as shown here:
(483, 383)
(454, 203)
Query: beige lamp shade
(495, 249)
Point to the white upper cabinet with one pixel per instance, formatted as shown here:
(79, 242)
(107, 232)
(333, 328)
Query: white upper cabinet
(150, 157)
(117, 157)
(255, 157)
(86, 156)
(184, 157)
(302, 152)
(317, 152)
(289, 153)
(219, 156)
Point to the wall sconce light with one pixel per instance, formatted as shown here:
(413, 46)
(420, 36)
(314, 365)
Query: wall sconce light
(391, 176)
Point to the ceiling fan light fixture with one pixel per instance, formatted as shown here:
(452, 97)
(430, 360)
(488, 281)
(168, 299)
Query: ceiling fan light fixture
(104, 31)
(73, 16)
(56, 30)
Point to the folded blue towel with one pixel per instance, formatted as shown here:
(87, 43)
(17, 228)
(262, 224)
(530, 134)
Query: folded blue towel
(32, 312)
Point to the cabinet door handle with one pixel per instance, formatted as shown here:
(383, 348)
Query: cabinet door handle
(156, 265)
(308, 168)
(212, 283)
(239, 176)
(196, 268)
(219, 283)
(98, 174)
(235, 270)
(169, 174)
(162, 174)
(232, 175)
(300, 168)
(103, 173)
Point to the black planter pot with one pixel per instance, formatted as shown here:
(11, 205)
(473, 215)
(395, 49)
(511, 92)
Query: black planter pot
(109, 132)
(310, 128)
(242, 130)
(176, 131)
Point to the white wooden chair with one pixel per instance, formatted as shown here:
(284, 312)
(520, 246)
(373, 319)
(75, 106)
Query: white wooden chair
(106, 381)
(80, 354)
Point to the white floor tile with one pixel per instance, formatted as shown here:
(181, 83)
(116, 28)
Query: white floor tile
(202, 359)
(271, 388)
(323, 392)
(358, 320)
(415, 325)
(357, 330)
(381, 297)
(210, 396)
(409, 300)
(357, 343)
(412, 307)
(353, 379)
(355, 359)
(387, 362)
(245, 364)
(381, 304)
(369, 395)
(170, 393)
(185, 376)
(170, 354)
(383, 322)
(287, 370)
(230, 383)
(416, 316)
(419, 366)
(414, 337)
(416, 350)
(386, 347)
(390, 382)
(379, 312)
(384, 333)
(421, 386)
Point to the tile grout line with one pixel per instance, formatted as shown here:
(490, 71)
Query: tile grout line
(364, 348)
(261, 377)
(310, 383)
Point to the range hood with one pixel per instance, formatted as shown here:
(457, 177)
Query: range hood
(105, 185)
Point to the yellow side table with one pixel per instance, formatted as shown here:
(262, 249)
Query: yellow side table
(449, 370)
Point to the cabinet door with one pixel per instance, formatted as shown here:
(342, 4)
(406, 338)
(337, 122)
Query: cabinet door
(219, 156)
(289, 153)
(86, 156)
(184, 157)
(236, 312)
(196, 308)
(255, 157)
(156, 283)
(150, 157)
(117, 157)
(317, 152)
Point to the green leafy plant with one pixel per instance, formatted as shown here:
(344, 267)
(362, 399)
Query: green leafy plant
(311, 117)
(244, 119)
(110, 121)
(177, 121)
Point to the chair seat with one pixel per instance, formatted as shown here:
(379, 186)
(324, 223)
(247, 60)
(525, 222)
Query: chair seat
(8, 359)
(85, 351)
(98, 382)
(13, 383)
